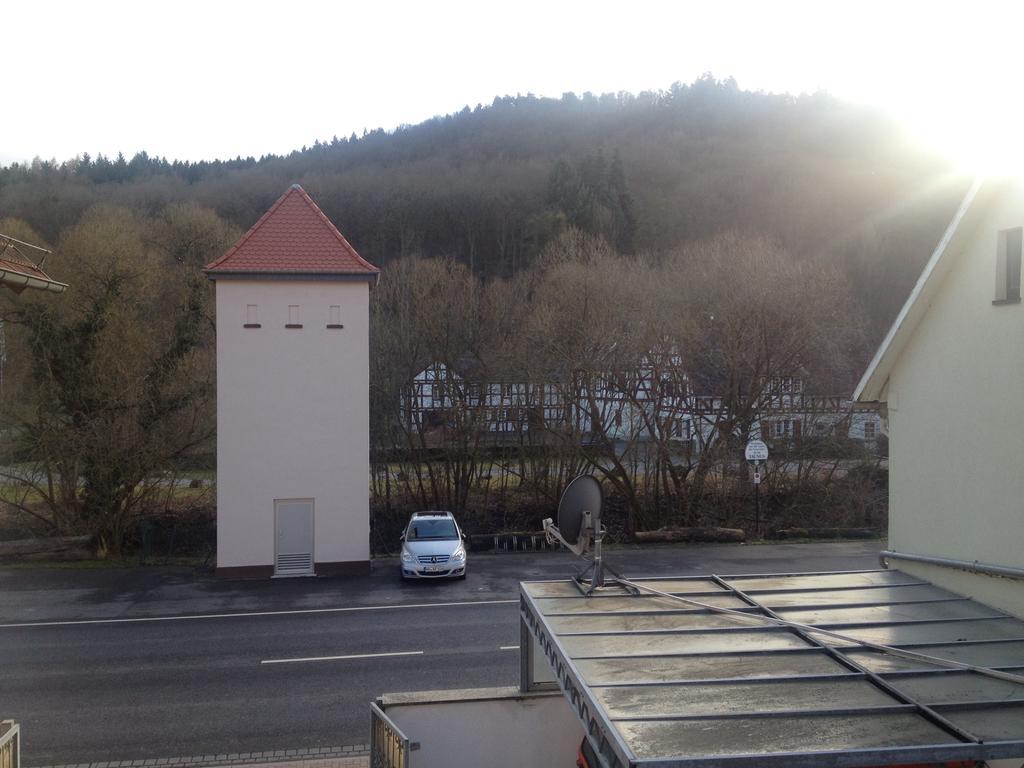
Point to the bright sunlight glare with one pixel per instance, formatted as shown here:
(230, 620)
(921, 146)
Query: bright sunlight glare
(199, 80)
(977, 124)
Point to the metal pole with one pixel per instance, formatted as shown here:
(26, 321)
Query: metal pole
(757, 509)
(598, 580)
(974, 566)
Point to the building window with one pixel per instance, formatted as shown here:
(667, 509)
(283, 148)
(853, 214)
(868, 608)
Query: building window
(334, 316)
(251, 316)
(1008, 261)
(293, 316)
(780, 428)
(869, 430)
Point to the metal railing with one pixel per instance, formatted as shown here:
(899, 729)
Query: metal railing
(389, 747)
(10, 744)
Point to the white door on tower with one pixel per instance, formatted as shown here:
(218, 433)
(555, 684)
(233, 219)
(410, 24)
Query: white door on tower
(293, 546)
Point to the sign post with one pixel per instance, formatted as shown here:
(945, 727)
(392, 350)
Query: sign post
(756, 454)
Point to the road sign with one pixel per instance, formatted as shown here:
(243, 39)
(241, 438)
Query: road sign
(757, 454)
(756, 451)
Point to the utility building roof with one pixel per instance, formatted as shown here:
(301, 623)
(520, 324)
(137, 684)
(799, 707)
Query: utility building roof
(658, 682)
(294, 238)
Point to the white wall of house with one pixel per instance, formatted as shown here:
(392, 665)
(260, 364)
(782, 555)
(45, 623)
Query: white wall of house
(866, 426)
(292, 416)
(956, 425)
(494, 727)
(812, 417)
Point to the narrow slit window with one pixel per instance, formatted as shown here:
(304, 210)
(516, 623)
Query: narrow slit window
(1008, 265)
(293, 316)
(252, 316)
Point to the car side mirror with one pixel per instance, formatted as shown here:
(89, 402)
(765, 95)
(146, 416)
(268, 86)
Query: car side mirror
(465, 537)
(402, 537)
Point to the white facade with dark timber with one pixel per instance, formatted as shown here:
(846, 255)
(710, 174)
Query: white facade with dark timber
(649, 403)
(292, 397)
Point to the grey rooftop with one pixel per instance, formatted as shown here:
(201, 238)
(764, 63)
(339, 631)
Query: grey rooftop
(657, 682)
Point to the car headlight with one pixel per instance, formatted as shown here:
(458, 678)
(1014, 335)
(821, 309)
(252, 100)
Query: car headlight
(459, 555)
(407, 557)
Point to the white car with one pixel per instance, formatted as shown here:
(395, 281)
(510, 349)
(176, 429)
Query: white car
(433, 547)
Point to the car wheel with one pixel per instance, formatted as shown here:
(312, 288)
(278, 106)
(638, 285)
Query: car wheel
(461, 576)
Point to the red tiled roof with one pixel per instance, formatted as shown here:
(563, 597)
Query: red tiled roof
(293, 237)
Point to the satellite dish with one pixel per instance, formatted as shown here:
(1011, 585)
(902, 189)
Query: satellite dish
(581, 497)
(579, 527)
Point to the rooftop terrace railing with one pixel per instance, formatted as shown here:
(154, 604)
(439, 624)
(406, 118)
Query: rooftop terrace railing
(10, 744)
(389, 747)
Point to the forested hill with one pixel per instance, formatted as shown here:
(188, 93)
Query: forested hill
(491, 185)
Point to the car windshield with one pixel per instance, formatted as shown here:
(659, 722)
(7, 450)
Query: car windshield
(435, 528)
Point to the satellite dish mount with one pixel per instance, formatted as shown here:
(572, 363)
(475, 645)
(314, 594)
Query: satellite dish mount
(579, 529)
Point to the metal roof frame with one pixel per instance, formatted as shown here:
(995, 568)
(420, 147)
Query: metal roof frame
(19, 271)
(540, 621)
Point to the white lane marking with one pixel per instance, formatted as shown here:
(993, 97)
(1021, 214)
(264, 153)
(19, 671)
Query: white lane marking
(300, 611)
(338, 658)
(508, 647)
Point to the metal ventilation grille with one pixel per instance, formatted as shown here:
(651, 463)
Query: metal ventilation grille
(296, 564)
(428, 559)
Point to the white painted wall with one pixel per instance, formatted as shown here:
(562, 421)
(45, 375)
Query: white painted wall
(292, 417)
(956, 425)
(493, 727)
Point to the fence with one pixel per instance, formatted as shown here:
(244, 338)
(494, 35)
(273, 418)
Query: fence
(10, 744)
(389, 747)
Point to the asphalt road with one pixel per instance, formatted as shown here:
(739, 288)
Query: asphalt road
(102, 665)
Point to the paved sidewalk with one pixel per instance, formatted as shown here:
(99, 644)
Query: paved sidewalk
(349, 756)
(362, 761)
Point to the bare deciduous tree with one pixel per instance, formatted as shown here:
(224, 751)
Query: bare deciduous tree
(120, 381)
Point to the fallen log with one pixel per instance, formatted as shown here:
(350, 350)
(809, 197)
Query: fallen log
(709, 535)
(827, 533)
(57, 547)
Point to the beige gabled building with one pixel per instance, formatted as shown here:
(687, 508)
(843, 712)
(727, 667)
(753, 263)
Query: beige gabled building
(950, 379)
(293, 427)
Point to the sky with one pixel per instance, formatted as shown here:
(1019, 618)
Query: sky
(217, 79)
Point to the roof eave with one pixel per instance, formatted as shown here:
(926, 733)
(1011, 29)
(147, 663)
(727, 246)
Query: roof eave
(219, 274)
(19, 281)
(872, 384)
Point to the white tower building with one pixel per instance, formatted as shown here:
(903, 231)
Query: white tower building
(292, 397)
